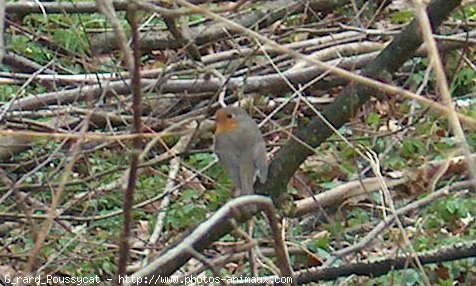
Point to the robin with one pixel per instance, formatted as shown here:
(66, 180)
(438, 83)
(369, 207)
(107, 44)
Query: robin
(241, 148)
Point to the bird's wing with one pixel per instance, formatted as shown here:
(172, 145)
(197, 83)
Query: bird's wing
(247, 177)
(261, 162)
(227, 162)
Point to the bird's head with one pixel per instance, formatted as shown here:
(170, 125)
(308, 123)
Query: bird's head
(228, 118)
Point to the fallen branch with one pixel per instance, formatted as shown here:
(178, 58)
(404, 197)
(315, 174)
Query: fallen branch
(351, 189)
(160, 221)
(385, 265)
(401, 211)
(262, 15)
(292, 155)
(210, 230)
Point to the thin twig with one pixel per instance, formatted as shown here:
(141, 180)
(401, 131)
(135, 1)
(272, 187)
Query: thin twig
(2, 25)
(107, 8)
(205, 229)
(453, 120)
(372, 83)
(159, 224)
(134, 66)
(375, 163)
(56, 197)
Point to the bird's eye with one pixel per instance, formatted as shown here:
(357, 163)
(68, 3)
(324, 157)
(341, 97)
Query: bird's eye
(230, 116)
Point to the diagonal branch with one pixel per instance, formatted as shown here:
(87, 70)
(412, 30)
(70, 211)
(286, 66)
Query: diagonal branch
(442, 83)
(210, 230)
(289, 158)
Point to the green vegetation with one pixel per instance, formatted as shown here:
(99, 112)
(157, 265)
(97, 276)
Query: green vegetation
(84, 239)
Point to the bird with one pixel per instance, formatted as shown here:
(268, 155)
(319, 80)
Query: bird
(241, 148)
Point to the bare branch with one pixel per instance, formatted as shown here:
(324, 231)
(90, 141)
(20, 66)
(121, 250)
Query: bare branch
(107, 8)
(442, 83)
(401, 211)
(134, 66)
(216, 226)
(384, 265)
(339, 194)
(2, 26)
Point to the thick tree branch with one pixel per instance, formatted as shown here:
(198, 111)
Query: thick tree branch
(385, 265)
(212, 229)
(262, 15)
(27, 7)
(345, 191)
(270, 83)
(290, 157)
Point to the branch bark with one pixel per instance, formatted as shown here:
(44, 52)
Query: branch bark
(385, 265)
(134, 63)
(262, 15)
(2, 25)
(207, 232)
(27, 7)
(289, 158)
(341, 193)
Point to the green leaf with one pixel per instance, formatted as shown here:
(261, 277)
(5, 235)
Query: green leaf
(374, 119)
(348, 168)
(401, 17)
(348, 153)
(412, 148)
(322, 242)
